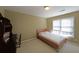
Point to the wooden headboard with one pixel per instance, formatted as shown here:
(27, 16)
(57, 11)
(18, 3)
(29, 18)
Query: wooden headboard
(40, 30)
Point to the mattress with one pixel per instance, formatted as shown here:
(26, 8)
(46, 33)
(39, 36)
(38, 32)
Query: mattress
(52, 37)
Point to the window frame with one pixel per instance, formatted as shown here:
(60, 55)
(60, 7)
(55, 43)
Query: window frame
(72, 19)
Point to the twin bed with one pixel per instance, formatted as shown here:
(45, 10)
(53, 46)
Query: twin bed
(53, 40)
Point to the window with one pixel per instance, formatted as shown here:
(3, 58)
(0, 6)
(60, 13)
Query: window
(63, 27)
(56, 26)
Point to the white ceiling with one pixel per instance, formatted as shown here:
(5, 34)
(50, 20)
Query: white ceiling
(39, 10)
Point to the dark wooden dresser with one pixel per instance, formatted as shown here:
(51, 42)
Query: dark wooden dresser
(7, 42)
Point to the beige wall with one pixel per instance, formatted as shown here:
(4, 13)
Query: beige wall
(25, 24)
(76, 23)
(2, 11)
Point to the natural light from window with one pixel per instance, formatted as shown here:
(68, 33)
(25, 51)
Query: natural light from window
(64, 27)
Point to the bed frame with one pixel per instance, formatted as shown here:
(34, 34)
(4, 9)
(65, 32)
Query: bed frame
(51, 43)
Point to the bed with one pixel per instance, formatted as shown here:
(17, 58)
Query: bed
(53, 40)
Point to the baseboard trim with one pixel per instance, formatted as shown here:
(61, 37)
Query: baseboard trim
(27, 40)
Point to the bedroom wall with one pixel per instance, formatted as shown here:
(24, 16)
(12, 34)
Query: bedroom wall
(76, 23)
(25, 24)
(2, 11)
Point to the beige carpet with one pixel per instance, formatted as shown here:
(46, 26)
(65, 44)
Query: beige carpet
(37, 46)
(70, 47)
